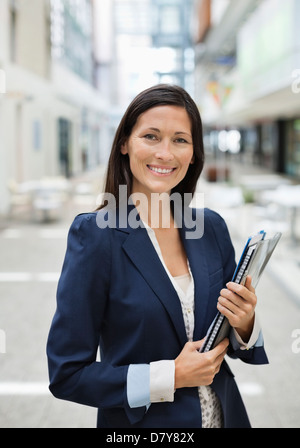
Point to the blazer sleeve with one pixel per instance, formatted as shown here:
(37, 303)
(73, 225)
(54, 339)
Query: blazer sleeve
(73, 339)
(256, 354)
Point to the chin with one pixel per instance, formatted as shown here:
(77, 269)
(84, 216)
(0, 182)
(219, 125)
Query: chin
(161, 190)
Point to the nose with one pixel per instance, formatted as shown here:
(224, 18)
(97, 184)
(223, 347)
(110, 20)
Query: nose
(164, 151)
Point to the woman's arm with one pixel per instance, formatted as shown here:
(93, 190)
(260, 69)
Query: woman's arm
(73, 339)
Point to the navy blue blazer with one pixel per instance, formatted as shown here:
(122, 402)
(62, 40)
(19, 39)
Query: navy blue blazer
(115, 293)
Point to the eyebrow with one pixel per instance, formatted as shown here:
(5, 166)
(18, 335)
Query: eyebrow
(176, 133)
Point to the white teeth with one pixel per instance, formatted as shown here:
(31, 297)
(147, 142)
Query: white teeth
(161, 170)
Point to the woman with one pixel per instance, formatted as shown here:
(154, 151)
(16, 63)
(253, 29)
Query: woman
(147, 293)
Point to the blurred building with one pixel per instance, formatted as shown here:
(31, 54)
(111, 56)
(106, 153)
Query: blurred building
(52, 116)
(153, 44)
(70, 68)
(248, 79)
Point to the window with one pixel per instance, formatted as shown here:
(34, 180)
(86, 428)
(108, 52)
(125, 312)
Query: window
(170, 20)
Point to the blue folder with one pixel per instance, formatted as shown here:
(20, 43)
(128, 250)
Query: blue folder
(253, 261)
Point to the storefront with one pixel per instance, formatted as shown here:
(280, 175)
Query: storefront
(292, 153)
(269, 145)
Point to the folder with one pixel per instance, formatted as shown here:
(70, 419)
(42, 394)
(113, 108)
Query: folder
(255, 256)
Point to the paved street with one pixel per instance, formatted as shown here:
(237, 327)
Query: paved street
(32, 255)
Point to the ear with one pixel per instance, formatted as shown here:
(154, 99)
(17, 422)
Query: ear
(124, 149)
(192, 161)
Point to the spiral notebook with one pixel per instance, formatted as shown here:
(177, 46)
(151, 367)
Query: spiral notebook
(253, 261)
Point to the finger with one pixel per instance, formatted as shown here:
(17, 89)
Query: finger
(248, 284)
(227, 307)
(219, 359)
(232, 310)
(229, 297)
(234, 303)
(241, 291)
(221, 347)
(198, 344)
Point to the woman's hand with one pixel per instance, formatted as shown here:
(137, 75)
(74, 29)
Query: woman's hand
(238, 303)
(193, 369)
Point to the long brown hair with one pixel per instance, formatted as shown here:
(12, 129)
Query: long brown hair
(118, 170)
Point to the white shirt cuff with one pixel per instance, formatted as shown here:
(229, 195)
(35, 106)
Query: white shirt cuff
(162, 381)
(253, 338)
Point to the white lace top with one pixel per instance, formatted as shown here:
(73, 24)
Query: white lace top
(212, 416)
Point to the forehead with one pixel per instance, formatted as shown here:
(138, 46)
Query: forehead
(165, 116)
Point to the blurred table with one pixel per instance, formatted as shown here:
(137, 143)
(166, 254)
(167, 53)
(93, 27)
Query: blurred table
(263, 182)
(287, 196)
(45, 194)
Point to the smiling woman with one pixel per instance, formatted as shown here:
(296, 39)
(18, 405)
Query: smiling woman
(160, 149)
(186, 132)
(146, 294)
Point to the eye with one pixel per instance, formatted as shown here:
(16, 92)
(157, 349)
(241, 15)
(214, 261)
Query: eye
(150, 137)
(181, 140)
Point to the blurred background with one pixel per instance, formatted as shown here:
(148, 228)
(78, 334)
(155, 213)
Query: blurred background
(68, 69)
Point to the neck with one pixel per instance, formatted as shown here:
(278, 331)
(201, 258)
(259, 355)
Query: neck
(155, 209)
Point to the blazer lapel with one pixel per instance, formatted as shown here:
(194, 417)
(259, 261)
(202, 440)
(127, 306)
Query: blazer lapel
(197, 253)
(140, 250)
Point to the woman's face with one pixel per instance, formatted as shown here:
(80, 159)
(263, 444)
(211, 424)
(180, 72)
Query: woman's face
(160, 149)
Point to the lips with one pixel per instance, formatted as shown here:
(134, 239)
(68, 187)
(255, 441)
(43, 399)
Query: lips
(161, 170)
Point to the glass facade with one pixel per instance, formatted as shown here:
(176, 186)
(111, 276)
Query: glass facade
(292, 160)
(272, 47)
(269, 145)
(71, 35)
(133, 17)
(153, 44)
(172, 30)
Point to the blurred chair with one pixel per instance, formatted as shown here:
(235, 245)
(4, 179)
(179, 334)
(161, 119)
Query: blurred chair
(226, 197)
(84, 194)
(49, 195)
(228, 202)
(39, 197)
(20, 197)
(46, 202)
(278, 209)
